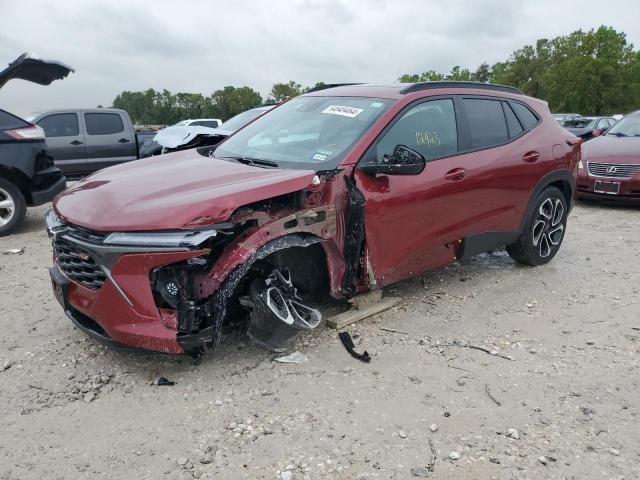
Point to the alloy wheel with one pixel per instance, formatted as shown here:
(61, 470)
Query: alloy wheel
(7, 207)
(548, 227)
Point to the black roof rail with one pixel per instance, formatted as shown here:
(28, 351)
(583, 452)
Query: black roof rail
(330, 85)
(416, 87)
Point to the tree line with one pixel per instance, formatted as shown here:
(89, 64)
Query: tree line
(594, 72)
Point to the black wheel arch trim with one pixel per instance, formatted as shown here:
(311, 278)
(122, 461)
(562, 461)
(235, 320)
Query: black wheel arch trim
(548, 180)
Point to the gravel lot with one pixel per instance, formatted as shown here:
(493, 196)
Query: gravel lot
(555, 394)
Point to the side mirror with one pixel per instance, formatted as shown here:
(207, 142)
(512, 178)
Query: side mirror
(597, 132)
(403, 161)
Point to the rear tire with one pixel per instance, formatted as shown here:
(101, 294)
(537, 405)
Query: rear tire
(544, 230)
(13, 207)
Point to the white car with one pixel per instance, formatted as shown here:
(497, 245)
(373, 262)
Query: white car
(201, 122)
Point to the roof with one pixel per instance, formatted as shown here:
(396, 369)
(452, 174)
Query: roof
(397, 90)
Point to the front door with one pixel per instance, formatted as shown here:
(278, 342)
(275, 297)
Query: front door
(408, 219)
(65, 141)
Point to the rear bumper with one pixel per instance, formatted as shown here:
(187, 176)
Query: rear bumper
(46, 185)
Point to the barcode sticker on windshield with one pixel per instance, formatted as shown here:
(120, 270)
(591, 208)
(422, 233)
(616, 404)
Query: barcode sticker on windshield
(342, 110)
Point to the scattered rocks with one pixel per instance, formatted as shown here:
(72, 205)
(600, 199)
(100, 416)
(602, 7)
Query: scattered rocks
(433, 427)
(182, 461)
(513, 433)
(454, 456)
(89, 397)
(286, 475)
(6, 366)
(614, 451)
(542, 459)
(401, 434)
(422, 472)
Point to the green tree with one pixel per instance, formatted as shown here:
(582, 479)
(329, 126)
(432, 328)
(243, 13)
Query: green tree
(283, 91)
(230, 101)
(428, 76)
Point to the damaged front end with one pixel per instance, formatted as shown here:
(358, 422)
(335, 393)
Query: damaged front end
(173, 291)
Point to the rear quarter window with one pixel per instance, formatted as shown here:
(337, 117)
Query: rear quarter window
(526, 116)
(103, 123)
(9, 121)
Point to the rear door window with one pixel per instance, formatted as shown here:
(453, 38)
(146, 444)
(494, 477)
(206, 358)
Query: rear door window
(526, 116)
(60, 125)
(429, 128)
(487, 123)
(103, 123)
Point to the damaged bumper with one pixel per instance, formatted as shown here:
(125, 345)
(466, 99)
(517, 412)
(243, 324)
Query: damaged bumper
(107, 285)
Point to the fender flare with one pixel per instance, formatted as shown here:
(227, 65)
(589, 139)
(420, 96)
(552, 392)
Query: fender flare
(547, 180)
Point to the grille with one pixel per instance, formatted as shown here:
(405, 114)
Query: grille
(85, 234)
(78, 265)
(613, 170)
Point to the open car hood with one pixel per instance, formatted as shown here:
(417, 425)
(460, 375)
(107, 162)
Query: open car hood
(30, 67)
(173, 191)
(179, 135)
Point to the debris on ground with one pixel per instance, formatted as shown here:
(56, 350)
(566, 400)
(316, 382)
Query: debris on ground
(295, 357)
(454, 456)
(14, 251)
(348, 344)
(163, 382)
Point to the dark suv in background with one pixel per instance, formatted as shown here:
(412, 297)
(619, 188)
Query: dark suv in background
(28, 176)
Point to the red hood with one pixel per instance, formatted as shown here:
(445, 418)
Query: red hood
(171, 191)
(612, 149)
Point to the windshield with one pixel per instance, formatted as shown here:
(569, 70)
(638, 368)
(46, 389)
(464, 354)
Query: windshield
(306, 132)
(240, 120)
(629, 126)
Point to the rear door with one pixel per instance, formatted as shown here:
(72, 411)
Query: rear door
(109, 139)
(65, 140)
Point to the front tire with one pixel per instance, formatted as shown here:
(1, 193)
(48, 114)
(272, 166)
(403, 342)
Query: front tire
(543, 231)
(13, 207)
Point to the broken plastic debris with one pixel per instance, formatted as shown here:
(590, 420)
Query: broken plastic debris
(348, 344)
(164, 382)
(295, 357)
(14, 251)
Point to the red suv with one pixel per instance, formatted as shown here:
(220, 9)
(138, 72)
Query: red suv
(345, 189)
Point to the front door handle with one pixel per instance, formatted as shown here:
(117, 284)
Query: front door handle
(76, 142)
(124, 140)
(531, 157)
(456, 174)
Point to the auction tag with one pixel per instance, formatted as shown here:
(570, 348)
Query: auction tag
(342, 110)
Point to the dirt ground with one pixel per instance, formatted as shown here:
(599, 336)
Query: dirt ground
(553, 393)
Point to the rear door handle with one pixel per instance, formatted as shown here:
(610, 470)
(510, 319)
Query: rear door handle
(531, 157)
(124, 140)
(76, 142)
(456, 174)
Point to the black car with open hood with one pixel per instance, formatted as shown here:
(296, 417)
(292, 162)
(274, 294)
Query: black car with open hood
(28, 176)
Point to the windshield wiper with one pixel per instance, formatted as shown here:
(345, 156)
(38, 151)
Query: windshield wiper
(617, 134)
(254, 162)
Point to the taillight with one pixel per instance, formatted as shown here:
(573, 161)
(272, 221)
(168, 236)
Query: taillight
(33, 132)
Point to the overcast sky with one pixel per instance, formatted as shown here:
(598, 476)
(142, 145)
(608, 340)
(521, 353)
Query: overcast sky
(200, 46)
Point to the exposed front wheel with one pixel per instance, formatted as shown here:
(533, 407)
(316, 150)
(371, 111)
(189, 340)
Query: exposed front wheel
(12, 207)
(544, 230)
